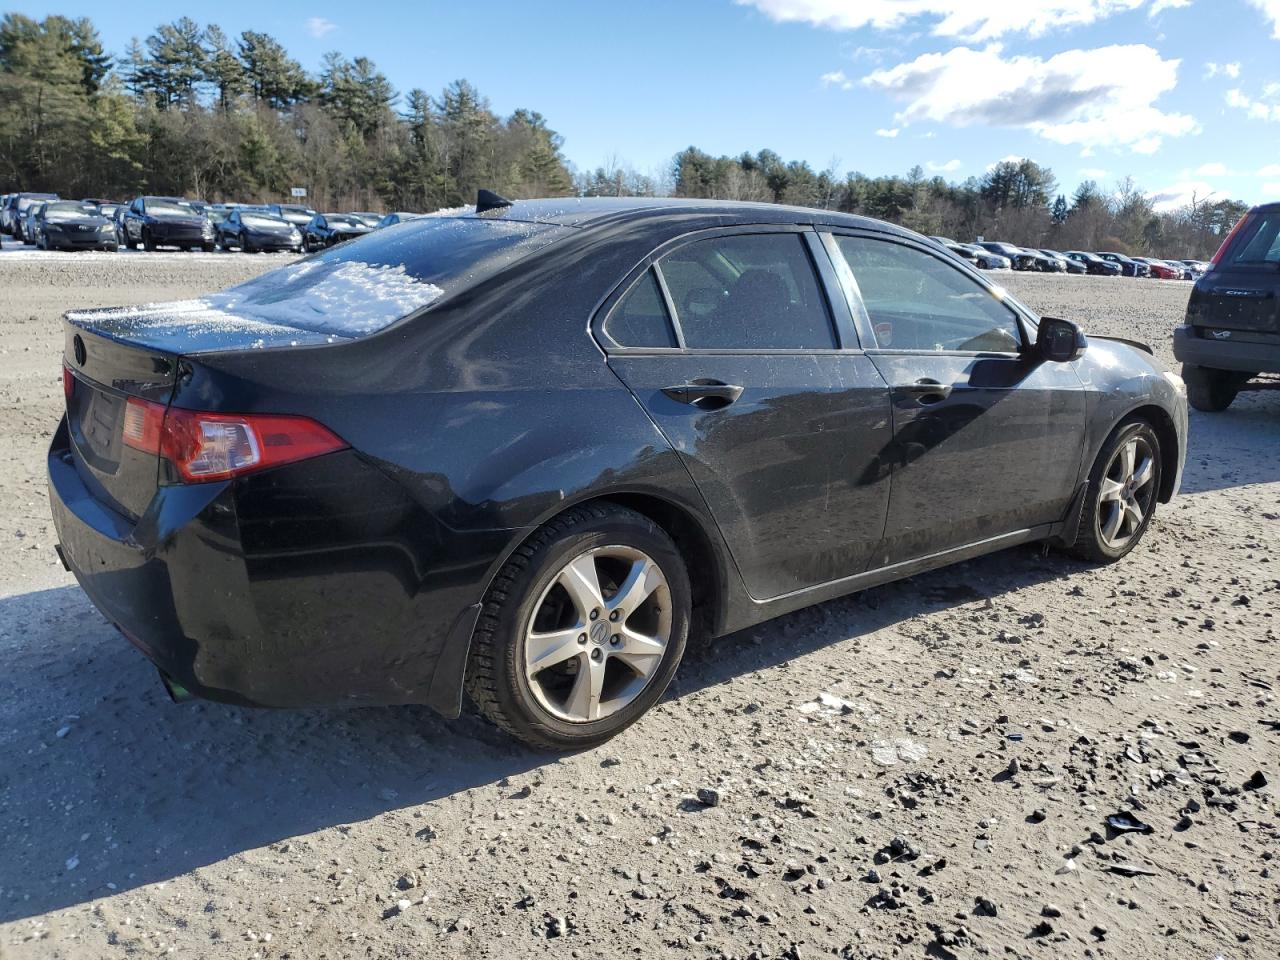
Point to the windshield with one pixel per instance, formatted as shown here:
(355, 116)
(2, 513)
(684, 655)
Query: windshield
(261, 220)
(167, 208)
(66, 209)
(364, 286)
(342, 221)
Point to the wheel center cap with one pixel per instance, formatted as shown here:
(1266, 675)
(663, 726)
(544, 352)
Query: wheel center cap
(600, 633)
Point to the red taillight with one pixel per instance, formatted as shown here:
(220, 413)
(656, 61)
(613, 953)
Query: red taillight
(217, 446)
(68, 382)
(1217, 257)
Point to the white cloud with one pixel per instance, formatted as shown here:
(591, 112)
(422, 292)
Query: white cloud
(1256, 109)
(1271, 10)
(1270, 170)
(319, 26)
(949, 167)
(1211, 170)
(964, 19)
(890, 134)
(1104, 97)
(1271, 189)
(1178, 195)
(1094, 173)
(1231, 70)
(1160, 6)
(836, 78)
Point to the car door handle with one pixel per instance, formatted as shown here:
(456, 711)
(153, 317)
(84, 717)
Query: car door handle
(704, 394)
(924, 391)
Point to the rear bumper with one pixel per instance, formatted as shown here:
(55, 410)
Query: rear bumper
(1244, 357)
(308, 585)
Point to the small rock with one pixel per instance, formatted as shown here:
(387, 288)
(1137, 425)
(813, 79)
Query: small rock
(1038, 816)
(708, 797)
(982, 907)
(62, 732)
(1051, 910)
(1256, 782)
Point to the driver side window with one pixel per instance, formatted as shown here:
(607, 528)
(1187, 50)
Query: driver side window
(916, 301)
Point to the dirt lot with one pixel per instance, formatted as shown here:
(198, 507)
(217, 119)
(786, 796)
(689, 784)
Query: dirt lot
(921, 770)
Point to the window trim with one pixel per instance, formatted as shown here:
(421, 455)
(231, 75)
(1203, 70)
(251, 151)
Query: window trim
(862, 318)
(843, 332)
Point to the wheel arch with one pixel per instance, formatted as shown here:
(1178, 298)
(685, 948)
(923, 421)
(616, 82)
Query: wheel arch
(1162, 423)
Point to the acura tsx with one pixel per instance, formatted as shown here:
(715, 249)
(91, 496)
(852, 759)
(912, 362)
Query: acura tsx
(522, 451)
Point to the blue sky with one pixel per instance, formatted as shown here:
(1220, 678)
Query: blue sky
(1184, 95)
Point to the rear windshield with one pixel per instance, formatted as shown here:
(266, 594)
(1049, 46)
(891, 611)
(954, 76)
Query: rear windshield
(370, 283)
(1258, 242)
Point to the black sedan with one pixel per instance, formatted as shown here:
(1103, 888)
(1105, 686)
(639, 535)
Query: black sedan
(1067, 264)
(326, 229)
(980, 258)
(253, 231)
(165, 221)
(1128, 266)
(1094, 264)
(524, 451)
(295, 213)
(72, 225)
(1019, 258)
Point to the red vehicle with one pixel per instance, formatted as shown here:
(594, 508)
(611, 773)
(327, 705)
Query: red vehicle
(1159, 269)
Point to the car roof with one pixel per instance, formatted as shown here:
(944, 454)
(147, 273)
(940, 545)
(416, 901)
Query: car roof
(586, 211)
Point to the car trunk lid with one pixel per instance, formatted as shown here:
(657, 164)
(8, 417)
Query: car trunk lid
(102, 375)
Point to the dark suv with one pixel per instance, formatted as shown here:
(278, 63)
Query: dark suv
(1232, 330)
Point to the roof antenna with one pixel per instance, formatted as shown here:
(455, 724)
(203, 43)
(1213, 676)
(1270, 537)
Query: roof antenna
(487, 200)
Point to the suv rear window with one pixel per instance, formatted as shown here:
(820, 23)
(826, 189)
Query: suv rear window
(363, 286)
(1259, 242)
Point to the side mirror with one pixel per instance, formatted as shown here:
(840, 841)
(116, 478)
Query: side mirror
(1060, 341)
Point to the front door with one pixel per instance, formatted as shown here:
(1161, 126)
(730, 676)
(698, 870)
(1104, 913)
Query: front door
(987, 436)
(781, 428)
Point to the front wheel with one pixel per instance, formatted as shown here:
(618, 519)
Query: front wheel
(1209, 390)
(148, 242)
(207, 247)
(582, 629)
(1123, 490)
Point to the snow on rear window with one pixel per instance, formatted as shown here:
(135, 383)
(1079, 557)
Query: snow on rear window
(369, 283)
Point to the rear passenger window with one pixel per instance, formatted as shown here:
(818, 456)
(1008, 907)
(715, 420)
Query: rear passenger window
(640, 317)
(750, 291)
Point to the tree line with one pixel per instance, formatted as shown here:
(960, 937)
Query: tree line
(1017, 201)
(191, 111)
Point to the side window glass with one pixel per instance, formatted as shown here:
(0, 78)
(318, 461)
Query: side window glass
(916, 301)
(748, 291)
(640, 318)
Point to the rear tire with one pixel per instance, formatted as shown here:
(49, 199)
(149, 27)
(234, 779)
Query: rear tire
(1121, 498)
(600, 681)
(207, 247)
(1209, 390)
(148, 241)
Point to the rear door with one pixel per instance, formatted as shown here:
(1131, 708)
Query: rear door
(1242, 292)
(987, 436)
(730, 343)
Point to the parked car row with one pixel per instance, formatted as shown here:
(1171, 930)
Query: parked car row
(997, 255)
(48, 222)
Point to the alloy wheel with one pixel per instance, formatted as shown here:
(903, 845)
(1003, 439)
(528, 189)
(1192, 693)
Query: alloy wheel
(1126, 493)
(598, 633)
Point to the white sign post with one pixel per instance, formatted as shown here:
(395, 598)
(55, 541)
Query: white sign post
(298, 192)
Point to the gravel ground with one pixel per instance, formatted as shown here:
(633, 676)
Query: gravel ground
(921, 770)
